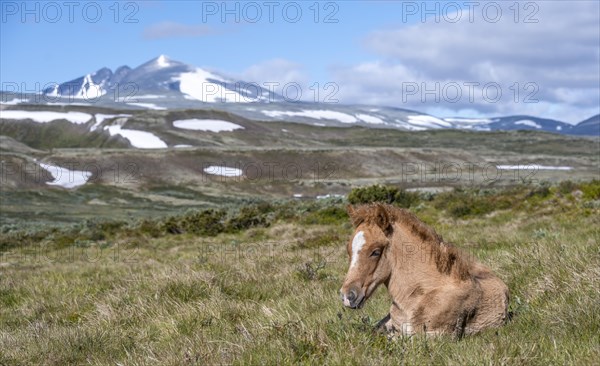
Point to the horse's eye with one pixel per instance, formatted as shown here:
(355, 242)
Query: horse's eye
(376, 253)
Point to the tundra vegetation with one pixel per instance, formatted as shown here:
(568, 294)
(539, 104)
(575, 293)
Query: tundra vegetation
(256, 282)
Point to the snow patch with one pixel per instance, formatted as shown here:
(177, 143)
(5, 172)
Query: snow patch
(223, 171)
(54, 92)
(326, 196)
(182, 146)
(69, 104)
(149, 96)
(11, 102)
(532, 167)
(528, 123)
(66, 178)
(88, 90)
(369, 118)
(427, 121)
(408, 126)
(162, 61)
(196, 85)
(101, 117)
(468, 120)
(315, 114)
(139, 139)
(47, 116)
(212, 125)
(148, 105)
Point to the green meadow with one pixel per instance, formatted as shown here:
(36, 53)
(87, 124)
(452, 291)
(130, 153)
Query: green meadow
(256, 282)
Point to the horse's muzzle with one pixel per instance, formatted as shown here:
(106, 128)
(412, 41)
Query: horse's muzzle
(353, 299)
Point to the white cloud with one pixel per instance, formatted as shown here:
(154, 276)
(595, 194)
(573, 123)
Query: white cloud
(559, 55)
(290, 78)
(275, 70)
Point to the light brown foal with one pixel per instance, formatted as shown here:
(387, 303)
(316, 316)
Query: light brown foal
(435, 289)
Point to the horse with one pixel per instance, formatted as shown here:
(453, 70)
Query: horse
(435, 288)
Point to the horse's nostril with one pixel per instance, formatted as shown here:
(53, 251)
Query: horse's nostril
(351, 296)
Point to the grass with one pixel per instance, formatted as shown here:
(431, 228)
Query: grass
(61, 134)
(265, 292)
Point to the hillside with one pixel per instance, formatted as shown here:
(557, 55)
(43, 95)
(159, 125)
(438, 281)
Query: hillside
(160, 161)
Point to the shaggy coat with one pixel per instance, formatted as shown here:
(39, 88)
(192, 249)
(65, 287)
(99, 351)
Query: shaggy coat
(435, 288)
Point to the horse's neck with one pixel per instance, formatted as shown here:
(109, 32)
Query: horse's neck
(412, 262)
(410, 249)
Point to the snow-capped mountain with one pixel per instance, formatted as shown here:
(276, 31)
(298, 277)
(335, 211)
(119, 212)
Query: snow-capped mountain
(511, 123)
(89, 86)
(156, 78)
(163, 83)
(386, 117)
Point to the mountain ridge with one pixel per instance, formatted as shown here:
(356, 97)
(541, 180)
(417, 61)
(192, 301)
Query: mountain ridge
(160, 74)
(163, 83)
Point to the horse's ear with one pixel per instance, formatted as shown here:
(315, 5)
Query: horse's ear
(352, 213)
(350, 210)
(382, 219)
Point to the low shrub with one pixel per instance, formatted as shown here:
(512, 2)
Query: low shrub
(248, 217)
(385, 194)
(591, 189)
(207, 222)
(172, 225)
(542, 191)
(566, 187)
(326, 216)
(459, 203)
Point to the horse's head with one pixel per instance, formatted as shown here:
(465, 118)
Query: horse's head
(368, 254)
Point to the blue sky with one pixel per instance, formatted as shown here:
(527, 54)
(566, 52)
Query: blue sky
(372, 50)
(47, 51)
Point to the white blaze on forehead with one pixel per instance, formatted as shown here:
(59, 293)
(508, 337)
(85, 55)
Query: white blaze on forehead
(357, 244)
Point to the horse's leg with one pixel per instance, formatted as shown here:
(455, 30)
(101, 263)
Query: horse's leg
(385, 325)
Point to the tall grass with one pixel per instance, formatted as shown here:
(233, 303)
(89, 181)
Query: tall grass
(262, 288)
